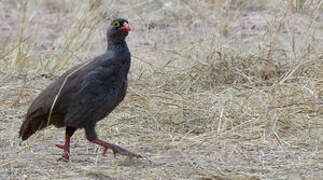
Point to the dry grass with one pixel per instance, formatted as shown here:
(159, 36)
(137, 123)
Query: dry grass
(218, 89)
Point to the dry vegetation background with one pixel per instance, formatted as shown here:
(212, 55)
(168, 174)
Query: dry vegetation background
(219, 89)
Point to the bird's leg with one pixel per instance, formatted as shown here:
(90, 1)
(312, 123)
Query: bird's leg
(66, 147)
(91, 136)
(115, 149)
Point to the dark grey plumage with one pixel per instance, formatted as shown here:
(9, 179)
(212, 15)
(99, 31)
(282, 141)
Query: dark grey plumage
(90, 93)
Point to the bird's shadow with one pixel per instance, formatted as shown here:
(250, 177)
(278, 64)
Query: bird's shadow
(109, 160)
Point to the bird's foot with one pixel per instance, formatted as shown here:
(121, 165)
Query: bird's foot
(66, 155)
(60, 146)
(119, 150)
(115, 149)
(63, 158)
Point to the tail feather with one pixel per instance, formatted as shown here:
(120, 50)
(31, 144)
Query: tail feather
(30, 126)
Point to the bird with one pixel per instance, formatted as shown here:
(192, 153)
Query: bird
(85, 94)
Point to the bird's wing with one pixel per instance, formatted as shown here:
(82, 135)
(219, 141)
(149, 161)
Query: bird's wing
(74, 78)
(37, 115)
(43, 102)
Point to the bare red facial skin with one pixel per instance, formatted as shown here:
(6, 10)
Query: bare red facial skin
(126, 27)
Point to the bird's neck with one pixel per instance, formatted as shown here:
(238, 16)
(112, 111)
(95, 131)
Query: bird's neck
(113, 44)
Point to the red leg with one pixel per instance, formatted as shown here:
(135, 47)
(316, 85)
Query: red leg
(115, 149)
(66, 146)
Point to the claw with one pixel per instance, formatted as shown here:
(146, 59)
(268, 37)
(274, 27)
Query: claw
(104, 151)
(60, 146)
(66, 154)
(63, 158)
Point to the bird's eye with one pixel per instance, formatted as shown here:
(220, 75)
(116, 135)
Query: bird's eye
(116, 24)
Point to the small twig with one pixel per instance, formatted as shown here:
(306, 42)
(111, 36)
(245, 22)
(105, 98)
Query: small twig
(20, 94)
(14, 48)
(60, 90)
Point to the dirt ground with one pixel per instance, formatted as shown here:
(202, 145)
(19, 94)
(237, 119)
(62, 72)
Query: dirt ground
(218, 89)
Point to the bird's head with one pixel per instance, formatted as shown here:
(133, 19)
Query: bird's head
(118, 30)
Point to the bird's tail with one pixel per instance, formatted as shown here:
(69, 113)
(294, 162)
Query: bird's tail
(30, 126)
